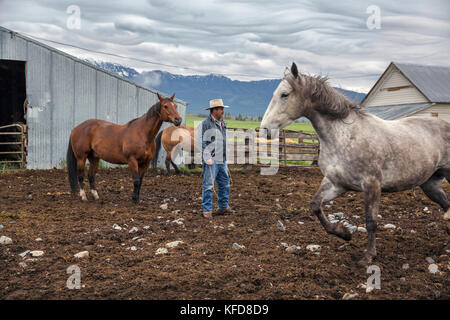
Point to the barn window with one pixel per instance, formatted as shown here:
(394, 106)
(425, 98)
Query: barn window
(434, 114)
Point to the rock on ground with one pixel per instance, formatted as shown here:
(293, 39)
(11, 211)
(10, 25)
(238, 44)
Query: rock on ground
(349, 296)
(281, 226)
(174, 244)
(237, 246)
(293, 249)
(362, 229)
(37, 253)
(5, 240)
(313, 247)
(133, 230)
(161, 251)
(23, 254)
(117, 227)
(82, 254)
(433, 268)
(429, 259)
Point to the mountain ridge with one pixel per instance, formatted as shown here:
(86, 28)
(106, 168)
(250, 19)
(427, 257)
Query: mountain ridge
(248, 98)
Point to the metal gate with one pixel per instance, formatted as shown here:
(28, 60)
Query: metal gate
(13, 145)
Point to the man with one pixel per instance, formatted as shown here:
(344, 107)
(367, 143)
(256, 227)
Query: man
(213, 142)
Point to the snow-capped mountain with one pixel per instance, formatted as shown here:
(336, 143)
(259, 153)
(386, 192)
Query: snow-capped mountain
(249, 98)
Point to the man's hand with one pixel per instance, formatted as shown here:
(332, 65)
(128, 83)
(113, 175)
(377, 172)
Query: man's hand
(209, 162)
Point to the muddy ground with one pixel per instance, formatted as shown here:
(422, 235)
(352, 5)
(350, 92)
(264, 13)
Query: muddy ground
(37, 204)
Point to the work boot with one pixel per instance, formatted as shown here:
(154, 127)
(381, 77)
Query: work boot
(226, 211)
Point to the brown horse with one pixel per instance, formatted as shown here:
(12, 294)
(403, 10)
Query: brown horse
(132, 143)
(172, 138)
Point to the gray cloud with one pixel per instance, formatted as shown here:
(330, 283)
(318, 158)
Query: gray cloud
(246, 39)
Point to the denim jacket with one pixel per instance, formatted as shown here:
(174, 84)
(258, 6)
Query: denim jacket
(213, 139)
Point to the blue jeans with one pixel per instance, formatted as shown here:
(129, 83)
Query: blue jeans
(219, 173)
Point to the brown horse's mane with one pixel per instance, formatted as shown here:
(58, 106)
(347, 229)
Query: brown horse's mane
(329, 102)
(155, 109)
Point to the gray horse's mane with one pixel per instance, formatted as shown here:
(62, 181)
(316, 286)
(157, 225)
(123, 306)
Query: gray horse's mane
(327, 100)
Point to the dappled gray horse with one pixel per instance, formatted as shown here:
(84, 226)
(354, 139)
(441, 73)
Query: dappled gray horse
(361, 152)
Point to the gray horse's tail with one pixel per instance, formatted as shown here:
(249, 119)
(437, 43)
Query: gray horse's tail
(158, 147)
(72, 168)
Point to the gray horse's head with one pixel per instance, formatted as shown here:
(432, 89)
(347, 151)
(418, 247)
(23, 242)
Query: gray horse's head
(300, 95)
(284, 107)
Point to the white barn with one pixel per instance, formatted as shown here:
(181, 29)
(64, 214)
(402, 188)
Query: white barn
(405, 90)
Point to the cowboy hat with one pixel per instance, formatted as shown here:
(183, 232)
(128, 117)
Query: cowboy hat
(215, 103)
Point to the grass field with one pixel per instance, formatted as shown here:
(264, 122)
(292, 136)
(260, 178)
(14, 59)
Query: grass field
(235, 124)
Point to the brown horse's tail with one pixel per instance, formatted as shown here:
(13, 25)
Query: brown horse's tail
(158, 147)
(72, 168)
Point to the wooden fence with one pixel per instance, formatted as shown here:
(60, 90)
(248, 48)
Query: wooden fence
(13, 145)
(291, 148)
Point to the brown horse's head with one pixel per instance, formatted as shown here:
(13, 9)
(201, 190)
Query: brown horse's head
(169, 111)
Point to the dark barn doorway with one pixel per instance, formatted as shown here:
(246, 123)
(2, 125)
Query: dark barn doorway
(12, 113)
(12, 92)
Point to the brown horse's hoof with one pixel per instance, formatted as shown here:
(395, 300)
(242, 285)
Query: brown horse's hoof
(95, 194)
(83, 195)
(342, 232)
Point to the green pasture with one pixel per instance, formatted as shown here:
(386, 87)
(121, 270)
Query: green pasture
(236, 124)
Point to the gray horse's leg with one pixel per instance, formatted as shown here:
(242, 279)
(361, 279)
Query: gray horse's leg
(433, 189)
(372, 194)
(446, 173)
(327, 192)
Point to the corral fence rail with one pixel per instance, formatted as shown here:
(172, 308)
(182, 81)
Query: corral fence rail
(295, 148)
(13, 145)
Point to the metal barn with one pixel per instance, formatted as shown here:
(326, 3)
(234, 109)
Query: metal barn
(45, 93)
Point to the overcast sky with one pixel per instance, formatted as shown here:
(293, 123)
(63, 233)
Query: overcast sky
(246, 40)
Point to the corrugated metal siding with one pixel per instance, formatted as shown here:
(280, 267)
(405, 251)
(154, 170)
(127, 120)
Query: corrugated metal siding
(39, 115)
(106, 97)
(64, 91)
(381, 96)
(85, 94)
(13, 48)
(127, 101)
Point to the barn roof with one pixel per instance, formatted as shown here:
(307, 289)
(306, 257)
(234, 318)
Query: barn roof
(84, 62)
(432, 81)
(397, 111)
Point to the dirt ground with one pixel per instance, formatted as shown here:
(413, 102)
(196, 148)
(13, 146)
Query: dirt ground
(37, 204)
